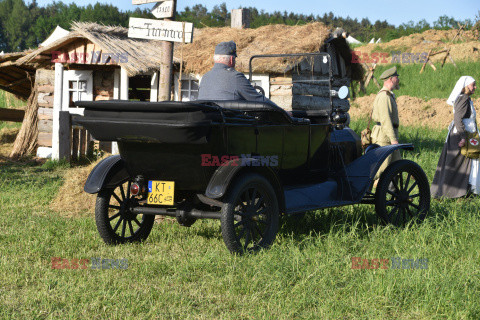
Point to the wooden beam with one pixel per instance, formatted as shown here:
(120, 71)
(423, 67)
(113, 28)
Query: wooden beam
(57, 107)
(428, 56)
(459, 31)
(445, 58)
(44, 139)
(451, 59)
(123, 84)
(432, 65)
(438, 52)
(75, 144)
(13, 115)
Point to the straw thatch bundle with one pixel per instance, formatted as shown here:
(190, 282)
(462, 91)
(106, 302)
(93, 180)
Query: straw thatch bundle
(143, 55)
(26, 141)
(271, 39)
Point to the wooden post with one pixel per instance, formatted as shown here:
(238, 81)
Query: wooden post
(117, 74)
(240, 18)
(75, 145)
(445, 59)
(154, 87)
(428, 57)
(459, 31)
(451, 59)
(116, 84)
(83, 142)
(165, 87)
(64, 135)
(123, 84)
(57, 107)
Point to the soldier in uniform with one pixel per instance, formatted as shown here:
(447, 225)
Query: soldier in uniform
(223, 82)
(385, 114)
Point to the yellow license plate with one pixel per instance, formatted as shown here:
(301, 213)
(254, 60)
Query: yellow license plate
(161, 192)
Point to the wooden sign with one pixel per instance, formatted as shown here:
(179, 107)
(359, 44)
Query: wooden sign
(143, 1)
(160, 30)
(163, 9)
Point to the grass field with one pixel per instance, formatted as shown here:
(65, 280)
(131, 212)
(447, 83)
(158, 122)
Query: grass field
(8, 100)
(187, 273)
(430, 84)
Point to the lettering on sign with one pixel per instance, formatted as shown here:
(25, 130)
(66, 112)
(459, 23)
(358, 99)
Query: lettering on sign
(163, 9)
(160, 30)
(143, 1)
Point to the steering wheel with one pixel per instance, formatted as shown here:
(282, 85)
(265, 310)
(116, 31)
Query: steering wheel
(259, 89)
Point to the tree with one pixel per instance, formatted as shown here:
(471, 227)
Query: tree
(16, 26)
(444, 23)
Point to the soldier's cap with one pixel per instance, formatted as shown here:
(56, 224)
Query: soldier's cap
(226, 48)
(392, 72)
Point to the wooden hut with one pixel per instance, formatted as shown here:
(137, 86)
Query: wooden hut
(92, 62)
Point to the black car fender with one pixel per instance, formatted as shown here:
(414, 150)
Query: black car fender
(361, 172)
(108, 173)
(225, 174)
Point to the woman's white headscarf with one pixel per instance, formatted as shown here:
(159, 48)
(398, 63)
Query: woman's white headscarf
(461, 83)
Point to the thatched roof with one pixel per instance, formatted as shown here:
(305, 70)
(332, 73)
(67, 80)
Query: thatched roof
(143, 55)
(271, 39)
(16, 79)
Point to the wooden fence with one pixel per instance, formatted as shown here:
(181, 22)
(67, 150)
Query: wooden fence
(13, 115)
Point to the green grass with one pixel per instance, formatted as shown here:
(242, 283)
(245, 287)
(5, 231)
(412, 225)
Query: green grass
(430, 84)
(187, 273)
(8, 100)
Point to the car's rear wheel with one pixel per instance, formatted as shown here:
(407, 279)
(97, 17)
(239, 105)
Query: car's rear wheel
(115, 220)
(250, 215)
(402, 194)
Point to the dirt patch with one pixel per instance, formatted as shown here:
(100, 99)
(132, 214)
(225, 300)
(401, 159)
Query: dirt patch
(433, 113)
(466, 48)
(71, 200)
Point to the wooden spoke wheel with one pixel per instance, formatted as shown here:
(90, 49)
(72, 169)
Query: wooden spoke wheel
(250, 215)
(403, 193)
(115, 220)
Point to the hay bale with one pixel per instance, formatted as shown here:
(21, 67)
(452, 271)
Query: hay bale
(71, 200)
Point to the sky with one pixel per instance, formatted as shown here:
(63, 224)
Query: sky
(395, 12)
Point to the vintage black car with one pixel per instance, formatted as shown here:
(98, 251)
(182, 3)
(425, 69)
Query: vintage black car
(245, 163)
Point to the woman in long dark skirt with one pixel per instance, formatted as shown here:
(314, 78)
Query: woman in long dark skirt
(457, 175)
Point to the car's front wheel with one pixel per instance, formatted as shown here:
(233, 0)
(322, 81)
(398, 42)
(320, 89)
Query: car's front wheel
(403, 193)
(250, 215)
(115, 220)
